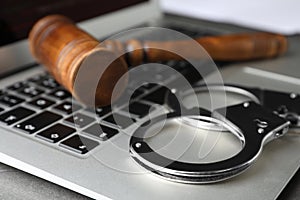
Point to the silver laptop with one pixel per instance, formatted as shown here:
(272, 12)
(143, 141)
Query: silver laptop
(41, 135)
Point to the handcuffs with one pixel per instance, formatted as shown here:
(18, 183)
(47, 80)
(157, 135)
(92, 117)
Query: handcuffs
(267, 116)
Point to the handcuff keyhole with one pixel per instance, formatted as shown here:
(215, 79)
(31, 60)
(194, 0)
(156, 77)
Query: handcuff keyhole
(282, 109)
(261, 123)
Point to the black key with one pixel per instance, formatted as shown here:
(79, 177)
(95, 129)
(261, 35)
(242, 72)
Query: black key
(148, 86)
(15, 115)
(138, 108)
(41, 102)
(1, 109)
(30, 91)
(136, 94)
(10, 100)
(189, 71)
(101, 132)
(55, 133)
(131, 94)
(67, 107)
(119, 120)
(179, 65)
(80, 120)
(158, 96)
(37, 78)
(79, 144)
(101, 111)
(38, 122)
(2, 92)
(48, 82)
(170, 63)
(60, 94)
(17, 86)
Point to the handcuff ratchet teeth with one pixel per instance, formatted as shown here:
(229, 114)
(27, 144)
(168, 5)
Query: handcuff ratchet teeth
(254, 124)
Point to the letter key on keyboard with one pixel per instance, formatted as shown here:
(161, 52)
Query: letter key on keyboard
(38, 122)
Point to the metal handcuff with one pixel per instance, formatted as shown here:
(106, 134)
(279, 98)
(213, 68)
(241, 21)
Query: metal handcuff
(268, 116)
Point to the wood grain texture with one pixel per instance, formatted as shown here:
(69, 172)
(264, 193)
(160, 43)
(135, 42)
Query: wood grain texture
(62, 48)
(56, 42)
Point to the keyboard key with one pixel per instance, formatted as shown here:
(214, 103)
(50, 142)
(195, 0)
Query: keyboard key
(48, 82)
(41, 103)
(189, 71)
(136, 93)
(1, 109)
(37, 78)
(178, 65)
(55, 133)
(17, 86)
(139, 109)
(15, 115)
(30, 91)
(10, 100)
(101, 111)
(129, 93)
(60, 94)
(101, 132)
(38, 122)
(2, 92)
(67, 107)
(148, 86)
(79, 144)
(80, 120)
(158, 96)
(119, 120)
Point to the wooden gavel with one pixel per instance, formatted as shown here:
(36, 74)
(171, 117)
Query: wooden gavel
(62, 47)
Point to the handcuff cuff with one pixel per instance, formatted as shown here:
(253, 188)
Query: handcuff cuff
(267, 116)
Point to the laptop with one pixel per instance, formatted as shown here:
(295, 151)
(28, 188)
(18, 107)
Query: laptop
(34, 106)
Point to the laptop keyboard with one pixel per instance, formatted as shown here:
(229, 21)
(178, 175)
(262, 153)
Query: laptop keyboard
(44, 111)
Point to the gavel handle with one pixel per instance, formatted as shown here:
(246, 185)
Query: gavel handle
(233, 47)
(62, 47)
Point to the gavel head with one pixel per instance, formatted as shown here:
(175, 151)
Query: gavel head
(76, 61)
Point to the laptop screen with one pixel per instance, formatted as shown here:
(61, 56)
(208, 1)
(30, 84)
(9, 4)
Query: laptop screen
(18, 16)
